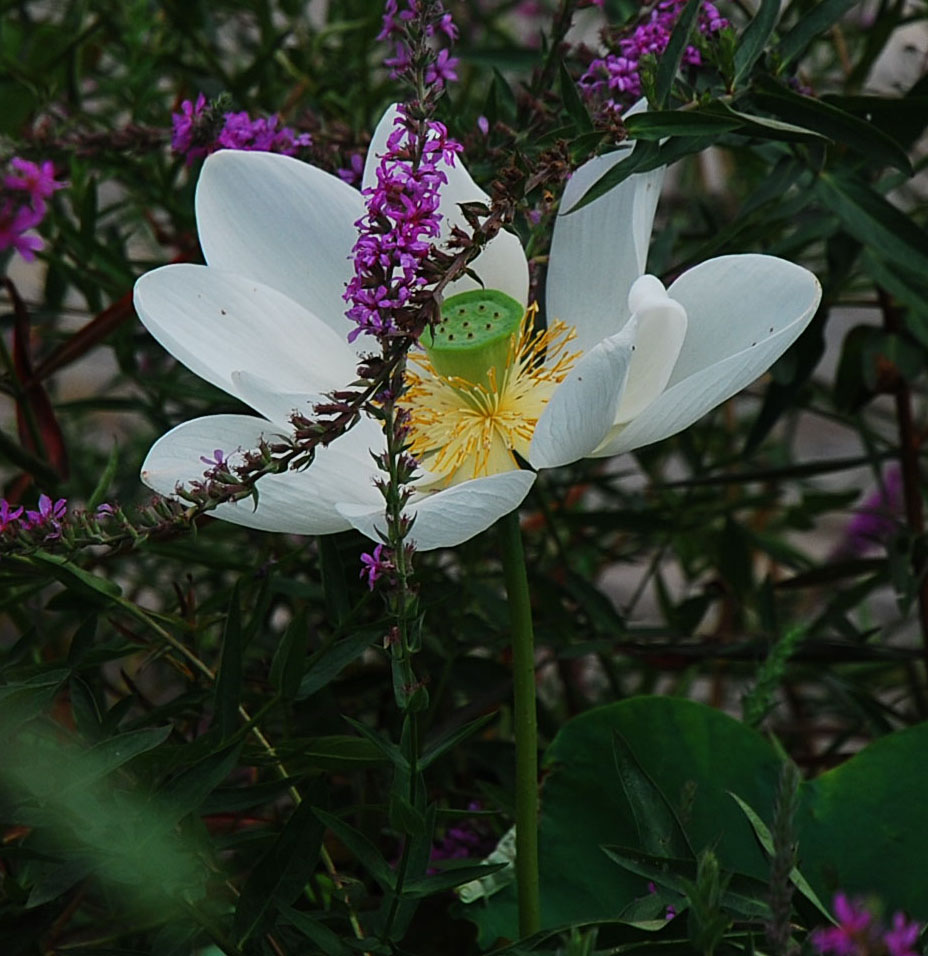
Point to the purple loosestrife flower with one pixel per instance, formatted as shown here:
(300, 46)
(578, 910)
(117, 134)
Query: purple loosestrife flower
(238, 131)
(376, 564)
(264, 320)
(615, 79)
(9, 517)
(859, 933)
(442, 70)
(23, 204)
(38, 180)
(396, 234)
(50, 515)
(901, 938)
(877, 518)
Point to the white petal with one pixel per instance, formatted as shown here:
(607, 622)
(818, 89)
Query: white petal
(735, 302)
(661, 329)
(744, 312)
(446, 518)
(216, 323)
(598, 251)
(583, 408)
(297, 502)
(502, 265)
(282, 222)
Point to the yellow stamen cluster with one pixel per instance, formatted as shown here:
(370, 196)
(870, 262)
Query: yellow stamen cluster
(461, 430)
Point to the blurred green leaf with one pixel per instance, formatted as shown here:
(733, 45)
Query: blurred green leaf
(874, 221)
(754, 38)
(279, 876)
(812, 22)
(670, 59)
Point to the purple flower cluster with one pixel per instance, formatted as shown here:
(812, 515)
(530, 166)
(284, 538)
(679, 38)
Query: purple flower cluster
(196, 134)
(859, 933)
(23, 204)
(48, 518)
(615, 80)
(876, 519)
(396, 23)
(471, 838)
(401, 220)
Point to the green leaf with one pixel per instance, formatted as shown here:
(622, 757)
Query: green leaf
(332, 570)
(452, 738)
(754, 38)
(100, 591)
(279, 876)
(361, 848)
(765, 838)
(106, 479)
(670, 60)
(660, 124)
(658, 827)
(228, 691)
(814, 21)
(874, 221)
(287, 663)
(21, 701)
(187, 791)
(329, 661)
(844, 128)
(328, 941)
(449, 879)
(105, 757)
(574, 105)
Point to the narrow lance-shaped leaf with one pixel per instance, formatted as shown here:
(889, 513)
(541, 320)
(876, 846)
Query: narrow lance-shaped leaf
(279, 876)
(813, 22)
(673, 54)
(229, 679)
(755, 37)
(659, 829)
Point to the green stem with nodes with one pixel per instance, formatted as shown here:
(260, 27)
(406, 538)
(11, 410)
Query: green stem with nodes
(525, 720)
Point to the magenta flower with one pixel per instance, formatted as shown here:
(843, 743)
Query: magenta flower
(15, 221)
(50, 515)
(901, 939)
(375, 565)
(184, 124)
(442, 69)
(9, 517)
(239, 131)
(36, 179)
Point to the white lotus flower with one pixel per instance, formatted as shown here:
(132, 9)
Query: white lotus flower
(626, 362)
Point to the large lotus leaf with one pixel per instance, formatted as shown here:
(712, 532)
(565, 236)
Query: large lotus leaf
(862, 825)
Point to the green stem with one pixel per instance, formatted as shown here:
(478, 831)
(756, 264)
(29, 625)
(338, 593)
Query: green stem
(525, 720)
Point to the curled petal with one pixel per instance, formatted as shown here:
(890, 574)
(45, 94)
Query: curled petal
(743, 313)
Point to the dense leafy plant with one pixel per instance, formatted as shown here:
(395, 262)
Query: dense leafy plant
(224, 740)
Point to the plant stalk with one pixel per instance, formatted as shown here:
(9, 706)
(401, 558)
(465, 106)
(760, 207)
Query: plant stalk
(525, 721)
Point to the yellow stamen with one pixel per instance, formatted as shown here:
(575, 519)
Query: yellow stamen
(461, 430)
